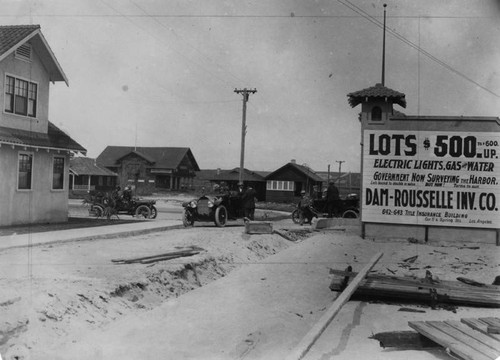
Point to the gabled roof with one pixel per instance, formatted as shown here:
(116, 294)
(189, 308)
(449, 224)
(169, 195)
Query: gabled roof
(377, 91)
(54, 139)
(161, 157)
(229, 175)
(88, 166)
(11, 37)
(138, 153)
(310, 173)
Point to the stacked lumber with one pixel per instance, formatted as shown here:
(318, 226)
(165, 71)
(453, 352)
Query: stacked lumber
(420, 289)
(160, 257)
(461, 340)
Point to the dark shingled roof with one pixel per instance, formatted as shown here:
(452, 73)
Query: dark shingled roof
(310, 173)
(12, 35)
(377, 91)
(55, 138)
(88, 166)
(161, 157)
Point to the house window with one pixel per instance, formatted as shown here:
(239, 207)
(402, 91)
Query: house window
(58, 173)
(376, 114)
(20, 96)
(25, 173)
(279, 185)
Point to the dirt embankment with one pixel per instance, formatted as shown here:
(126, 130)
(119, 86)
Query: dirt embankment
(53, 294)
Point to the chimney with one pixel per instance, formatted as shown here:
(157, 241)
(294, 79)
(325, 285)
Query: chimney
(293, 161)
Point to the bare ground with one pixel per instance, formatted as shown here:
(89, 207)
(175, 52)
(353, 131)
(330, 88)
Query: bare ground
(52, 294)
(55, 294)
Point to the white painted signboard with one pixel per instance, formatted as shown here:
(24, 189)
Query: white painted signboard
(431, 178)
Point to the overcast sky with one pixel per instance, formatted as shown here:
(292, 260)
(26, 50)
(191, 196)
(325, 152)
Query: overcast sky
(163, 73)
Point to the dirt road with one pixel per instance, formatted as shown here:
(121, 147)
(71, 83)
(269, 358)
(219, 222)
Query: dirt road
(52, 294)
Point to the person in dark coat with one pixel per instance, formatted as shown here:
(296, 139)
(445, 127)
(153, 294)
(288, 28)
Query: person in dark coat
(248, 202)
(332, 199)
(306, 214)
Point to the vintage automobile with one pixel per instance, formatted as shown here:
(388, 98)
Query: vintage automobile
(347, 208)
(103, 204)
(218, 208)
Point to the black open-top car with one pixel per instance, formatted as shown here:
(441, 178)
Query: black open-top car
(347, 207)
(218, 208)
(104, 204)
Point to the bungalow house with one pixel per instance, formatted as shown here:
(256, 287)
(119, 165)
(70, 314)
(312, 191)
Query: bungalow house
(286, 183)
(85, 175)
(150, 169)
(34, 153)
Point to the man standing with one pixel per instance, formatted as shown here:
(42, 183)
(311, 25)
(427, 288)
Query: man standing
(332, 198)
(305, 203)
(248, 202)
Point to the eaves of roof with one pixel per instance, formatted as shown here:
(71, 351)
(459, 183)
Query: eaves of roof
(377, 91)
(11, 37)
(54, 139)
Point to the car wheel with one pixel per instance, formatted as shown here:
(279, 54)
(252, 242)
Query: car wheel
(187, 219)
(154, 212)
(143, 211)
(350, 214)
(220, 216)
(97, 211)
(296, 216)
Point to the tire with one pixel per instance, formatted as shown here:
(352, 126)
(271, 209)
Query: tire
(143, 211)
(296, 216)
(154, 212)
(350, 214)
(221, 216)
(97, 211)
(187, 219)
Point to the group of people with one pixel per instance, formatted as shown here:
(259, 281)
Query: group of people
(305, 204)
(122, 197)
(248, 197)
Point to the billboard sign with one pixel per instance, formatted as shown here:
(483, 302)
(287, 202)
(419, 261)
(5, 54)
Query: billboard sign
(431, 178)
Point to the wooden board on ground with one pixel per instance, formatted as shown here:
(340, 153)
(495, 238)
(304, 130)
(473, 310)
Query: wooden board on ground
(459, 339)
(419, 289)
(258, 227)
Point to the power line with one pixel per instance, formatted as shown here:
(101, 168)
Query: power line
(257, 16)
(184, 41)
(374, 21)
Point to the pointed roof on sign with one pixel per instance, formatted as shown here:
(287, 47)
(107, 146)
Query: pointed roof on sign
(377, 91)
(13, 36)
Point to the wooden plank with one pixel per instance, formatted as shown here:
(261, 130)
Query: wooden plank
(447, 341)
(409, 340)
(480, 326)
(171, 253)
(418, 289)
(463, 338)
(308, 341)
(476, 335)
(491, 321)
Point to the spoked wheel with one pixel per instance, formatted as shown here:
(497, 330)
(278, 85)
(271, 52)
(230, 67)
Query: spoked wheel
(154, 212)
(296, 216)
(350, 214)
(96, 210)
(221, 216)
(143, 212)
(187, 219)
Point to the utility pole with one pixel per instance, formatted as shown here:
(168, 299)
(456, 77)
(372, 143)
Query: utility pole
(340, 166)
(246, 93)
(383, 52)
